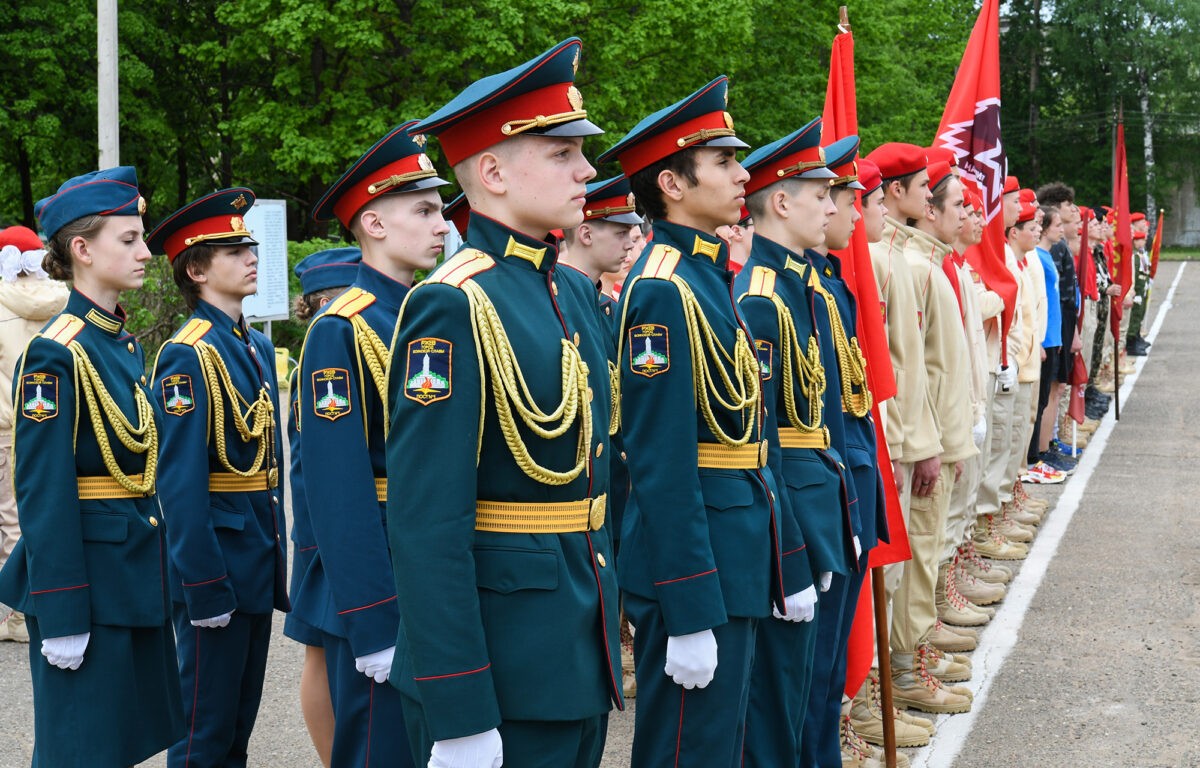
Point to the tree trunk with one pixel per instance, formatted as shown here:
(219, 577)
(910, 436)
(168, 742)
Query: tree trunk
(1035, 51)
(1147, 143)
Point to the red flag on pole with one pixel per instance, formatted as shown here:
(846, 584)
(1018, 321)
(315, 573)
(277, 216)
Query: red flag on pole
(1085, 270)
(1154, 249)
(841, 120)
(1123, 234)
(970, 128)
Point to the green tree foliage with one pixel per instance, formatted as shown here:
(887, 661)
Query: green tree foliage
(282, 95)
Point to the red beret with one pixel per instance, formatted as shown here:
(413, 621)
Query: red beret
(869, 176)
(896, 159)
(1011, 184)
(1135, 218)
(941, 155)
(1028, 212)
(1028, 196)
(973, 200)
(25, 239)
(938, 172)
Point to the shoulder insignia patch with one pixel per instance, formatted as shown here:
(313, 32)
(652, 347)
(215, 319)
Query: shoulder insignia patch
(331, 393)
(178, 397)
(427, 373)
(662, 262)
(762, 282)
(191, 332)
(350, 302)
(765, 351)
(64, 329)
(39, 396)
(649, 350)
(461, 267)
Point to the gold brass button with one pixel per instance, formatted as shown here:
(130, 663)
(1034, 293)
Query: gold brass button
(624, 457)
(143, 379)
(591, 394)
(599, 449)
(129, 346)
(554, 288)
(608, 310)
(153, 521)
(274, 499)
(600, 559)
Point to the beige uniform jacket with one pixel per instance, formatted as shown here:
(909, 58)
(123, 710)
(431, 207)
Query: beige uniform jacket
(26, 303)
(1033, 321)
(991, 328)
(972, 318)
(910, 427)
(946, 356)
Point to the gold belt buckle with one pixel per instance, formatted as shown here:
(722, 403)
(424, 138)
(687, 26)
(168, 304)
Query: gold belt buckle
(596, 515)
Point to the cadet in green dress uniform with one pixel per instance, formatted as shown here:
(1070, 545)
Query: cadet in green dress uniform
(323, 275)
(788, 196)
(705, 548)
(498, 451)
(90, 570)
(389, 200)
(221, 447)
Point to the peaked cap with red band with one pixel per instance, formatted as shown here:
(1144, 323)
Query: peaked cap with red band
(611, 200)
(110, 192)
(537, 98)
(458, 213)
(797, 155)
(841, 157)
(396, 163)
(939, 172)
(700, 120)
(869, 176)
(897, 159)
(215, 219)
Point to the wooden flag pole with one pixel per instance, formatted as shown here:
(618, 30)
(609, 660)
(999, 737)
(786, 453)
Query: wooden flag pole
(885, 667)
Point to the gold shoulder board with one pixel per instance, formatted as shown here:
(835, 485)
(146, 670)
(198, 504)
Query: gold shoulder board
(661, 263)
(461, 267)
(191, 332)
(762, 282)
(64, 329)
(350, 302)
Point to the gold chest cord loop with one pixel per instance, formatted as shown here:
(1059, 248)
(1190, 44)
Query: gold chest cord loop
(511, 393)
(102, 409)
(803, 369)
(850, 360)
(374, 354)
(614, 398)
(740, 392)
(254, 423)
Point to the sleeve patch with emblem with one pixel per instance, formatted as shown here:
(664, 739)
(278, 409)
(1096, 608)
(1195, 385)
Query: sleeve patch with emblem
(331, 393)
(178, 397)
(39, 396)
(649, 350)
(766, 351)
(427, 377)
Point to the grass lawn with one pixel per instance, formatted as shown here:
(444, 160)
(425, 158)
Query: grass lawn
(1179, 254)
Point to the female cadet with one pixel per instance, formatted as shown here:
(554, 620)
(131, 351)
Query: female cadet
(90, 571)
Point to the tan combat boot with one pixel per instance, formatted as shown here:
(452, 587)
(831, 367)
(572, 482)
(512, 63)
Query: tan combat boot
(980, 593)
(1011, 529)
(13, 629)
(1022, 495)
(856, 753)
(947, 667)
(984, 570)
(990, 544)
(1026, 515)
(953, 608)
(945, 638)
(866, 718)
(913, 687)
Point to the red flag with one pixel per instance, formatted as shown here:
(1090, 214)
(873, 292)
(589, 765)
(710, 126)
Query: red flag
(1085, 265)
(1123, 232)
(1154, 249)
(841, 120)
(970, 128)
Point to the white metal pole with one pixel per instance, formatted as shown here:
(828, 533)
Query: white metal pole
(106, 83)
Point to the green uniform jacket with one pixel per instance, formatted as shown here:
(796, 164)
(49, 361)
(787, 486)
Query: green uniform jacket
(513, 626)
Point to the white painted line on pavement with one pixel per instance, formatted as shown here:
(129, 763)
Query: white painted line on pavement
(1000, 636)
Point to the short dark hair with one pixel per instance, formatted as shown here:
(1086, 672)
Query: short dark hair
(1055, 194)
(1048, 212)
(939, 192)
(199, 256)
(644, 183)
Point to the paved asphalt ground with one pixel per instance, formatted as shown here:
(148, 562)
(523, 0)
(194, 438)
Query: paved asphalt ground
(1094, 659)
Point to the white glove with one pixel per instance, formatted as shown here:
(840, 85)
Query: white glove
(66, 652)
(857, 548)
(1007, 377)
(826, 580)
(1137, 299)
(480, 750)
(979, 433)
(216, 622)
(692, 659)
(800, 606)
(378, 665)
